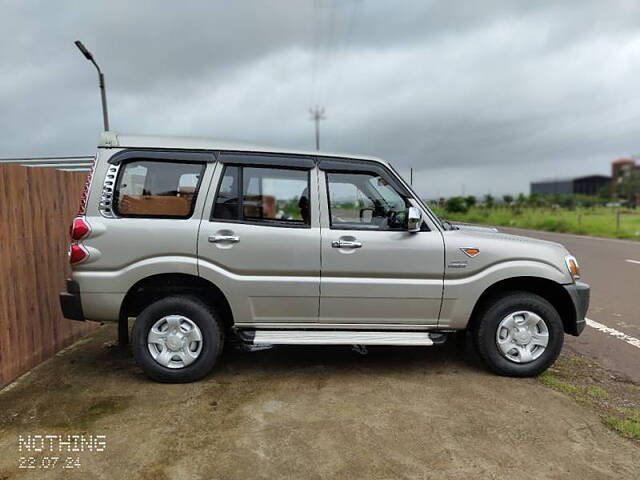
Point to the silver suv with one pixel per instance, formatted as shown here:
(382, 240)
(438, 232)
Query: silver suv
(201, 240)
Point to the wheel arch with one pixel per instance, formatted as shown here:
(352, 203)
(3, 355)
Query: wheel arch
(550, 290)
(154, 287)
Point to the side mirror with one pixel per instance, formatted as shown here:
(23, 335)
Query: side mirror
(414, 219)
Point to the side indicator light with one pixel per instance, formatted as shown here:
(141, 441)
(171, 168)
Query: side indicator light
(573, 266)
(470, 252)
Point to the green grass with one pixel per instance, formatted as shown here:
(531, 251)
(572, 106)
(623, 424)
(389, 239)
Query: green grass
(615, 401)
(597, 392)
(628, 426)
(580, 392)
(625, 421)
(599, 221)
(554, 382)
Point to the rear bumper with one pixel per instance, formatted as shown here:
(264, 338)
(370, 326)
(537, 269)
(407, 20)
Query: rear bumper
(579, 293)
(70, 302)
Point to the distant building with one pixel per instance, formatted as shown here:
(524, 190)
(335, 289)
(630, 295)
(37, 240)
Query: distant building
(589, 185)
(621, 168)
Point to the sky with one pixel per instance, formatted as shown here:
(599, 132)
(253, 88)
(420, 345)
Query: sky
(476, 96)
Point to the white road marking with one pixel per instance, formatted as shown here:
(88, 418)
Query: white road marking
(632, 261)
(634, 342)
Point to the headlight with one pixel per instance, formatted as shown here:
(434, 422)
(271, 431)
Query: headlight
(572, 265)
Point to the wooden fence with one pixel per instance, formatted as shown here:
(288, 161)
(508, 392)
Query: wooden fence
(36, 209)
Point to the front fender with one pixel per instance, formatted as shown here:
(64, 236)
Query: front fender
(461, 294)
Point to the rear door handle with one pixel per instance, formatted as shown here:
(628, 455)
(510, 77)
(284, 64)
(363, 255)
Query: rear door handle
(346, 244)
(224, 238)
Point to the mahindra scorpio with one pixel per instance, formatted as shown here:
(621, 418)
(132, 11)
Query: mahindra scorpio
(200, 240)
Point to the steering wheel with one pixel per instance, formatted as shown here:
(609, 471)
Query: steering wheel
(392, 216)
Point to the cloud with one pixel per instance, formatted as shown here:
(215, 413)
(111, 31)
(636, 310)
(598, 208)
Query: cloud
(488, 94)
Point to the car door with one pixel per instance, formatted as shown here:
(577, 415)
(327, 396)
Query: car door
(373, 270)
(261, 242)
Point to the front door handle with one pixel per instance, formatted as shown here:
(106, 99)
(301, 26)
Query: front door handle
(224, 238)
(346, 244)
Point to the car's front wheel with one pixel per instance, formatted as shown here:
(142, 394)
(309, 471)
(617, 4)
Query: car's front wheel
(177, 339)
(519, 334)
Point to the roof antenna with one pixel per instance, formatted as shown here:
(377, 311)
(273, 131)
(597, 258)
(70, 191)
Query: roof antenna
(87, 54)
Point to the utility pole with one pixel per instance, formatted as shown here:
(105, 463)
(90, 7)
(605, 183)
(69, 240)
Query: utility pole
(317, 114)
(411, 177)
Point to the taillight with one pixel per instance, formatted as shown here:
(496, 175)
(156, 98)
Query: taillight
(77, 254)
(79, 228)
(85, 191)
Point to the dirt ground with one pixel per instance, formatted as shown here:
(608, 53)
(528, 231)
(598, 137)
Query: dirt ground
(300, 412)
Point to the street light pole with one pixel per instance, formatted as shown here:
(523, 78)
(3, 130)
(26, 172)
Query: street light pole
(87, 54)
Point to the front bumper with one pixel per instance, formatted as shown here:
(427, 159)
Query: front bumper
(579, 293)
(70, 302)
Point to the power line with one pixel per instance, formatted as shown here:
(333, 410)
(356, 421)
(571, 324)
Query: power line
(317, 114)
(349, 26)
(325, 30)
(316, 47)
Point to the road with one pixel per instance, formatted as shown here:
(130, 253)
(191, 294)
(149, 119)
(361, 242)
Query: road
(612, 268)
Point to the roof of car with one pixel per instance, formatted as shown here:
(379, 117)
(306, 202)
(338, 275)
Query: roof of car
(118, 140)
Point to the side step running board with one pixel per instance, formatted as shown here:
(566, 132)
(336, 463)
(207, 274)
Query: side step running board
(339, 337)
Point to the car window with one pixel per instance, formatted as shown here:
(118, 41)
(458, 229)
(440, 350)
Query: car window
(364, 201)
(148, 188)
(268, 195)
(227, 205)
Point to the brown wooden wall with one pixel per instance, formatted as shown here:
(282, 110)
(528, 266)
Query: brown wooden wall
(36, 209)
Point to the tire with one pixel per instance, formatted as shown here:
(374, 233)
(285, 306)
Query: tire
(170, 318)
(528, 308)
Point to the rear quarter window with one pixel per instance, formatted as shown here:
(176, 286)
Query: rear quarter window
(165, 189)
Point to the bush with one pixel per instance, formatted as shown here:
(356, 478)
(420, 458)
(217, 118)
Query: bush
(456, 205)
(489, 201)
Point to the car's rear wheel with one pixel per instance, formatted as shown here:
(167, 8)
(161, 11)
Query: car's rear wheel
(177, 339)
(519, 334)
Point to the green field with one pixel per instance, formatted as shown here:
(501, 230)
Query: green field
(598, 221)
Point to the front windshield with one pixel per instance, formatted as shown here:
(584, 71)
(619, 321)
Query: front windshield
(444, 224)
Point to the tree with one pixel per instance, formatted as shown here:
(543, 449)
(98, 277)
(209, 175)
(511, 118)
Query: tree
(629, 187)
(471, 201)
(605, 191)
(507, 199)
(567, 201)
(456, 205)
(535, 200)
(489, 201)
